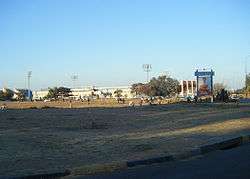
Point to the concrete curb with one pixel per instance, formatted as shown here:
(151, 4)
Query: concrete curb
(46, 176)
(110, 167)
(187, 154)
(97, 168)
(222, 145)
(227, 144)
(150, 161)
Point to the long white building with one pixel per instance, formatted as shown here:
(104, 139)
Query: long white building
(82, 93)
(39, 95)
(187, 88)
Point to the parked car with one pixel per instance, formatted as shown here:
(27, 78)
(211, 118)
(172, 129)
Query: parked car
(234, 98)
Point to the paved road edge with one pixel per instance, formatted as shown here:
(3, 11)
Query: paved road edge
(110, 167)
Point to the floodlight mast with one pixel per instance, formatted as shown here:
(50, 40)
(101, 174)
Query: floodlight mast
(246, 74)
(29, 91)
(147, 68)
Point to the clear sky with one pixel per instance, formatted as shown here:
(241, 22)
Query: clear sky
(105, 42)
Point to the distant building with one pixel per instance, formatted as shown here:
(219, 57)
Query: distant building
(81, 93)
(101, 92)
(126, 91)
(85, 92)
(188, 88)
(27, 93)
(39, 95)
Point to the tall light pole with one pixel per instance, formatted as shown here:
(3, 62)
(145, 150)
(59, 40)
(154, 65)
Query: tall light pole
(74, 78)
(147, 68)
(246, 74)
(29, 91)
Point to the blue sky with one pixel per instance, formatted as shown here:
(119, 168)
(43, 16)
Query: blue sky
(105, 42)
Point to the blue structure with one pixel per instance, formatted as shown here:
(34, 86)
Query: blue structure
(26, 92)
(204, 82)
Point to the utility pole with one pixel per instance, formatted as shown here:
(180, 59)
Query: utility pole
(29, 91)
(147, 68)
(74, 78)
(246, 75)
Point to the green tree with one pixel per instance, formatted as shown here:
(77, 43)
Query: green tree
(1, 96)
(21, 95)
(7, 94)
(218, 87)
(106, 94)
(247, 80)
(141, 89)
(63, 92)
(163, 86)
(55, 93)
(52, 94)
(118, 93)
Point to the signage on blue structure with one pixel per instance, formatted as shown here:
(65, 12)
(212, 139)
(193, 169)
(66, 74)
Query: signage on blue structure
(204, 82)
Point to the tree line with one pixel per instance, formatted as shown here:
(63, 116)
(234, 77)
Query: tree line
(161, 86)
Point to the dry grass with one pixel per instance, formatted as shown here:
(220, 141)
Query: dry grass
(218, 127)
(74, 104)
(31, 140)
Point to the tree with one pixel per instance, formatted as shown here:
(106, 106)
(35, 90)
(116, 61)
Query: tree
(247, 80)
(63, 92)
(1, 96)
(106, 94)
(163, 86)
(218, 87)
(141, 89)
(222, 95)
(118, 93)
(21, 94)
(6, 94)
(55, 93)
(52, 94)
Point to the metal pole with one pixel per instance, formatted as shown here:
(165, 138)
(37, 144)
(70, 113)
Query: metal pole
(147, 68)
(246, 75)
(29, 91)
(147, 75)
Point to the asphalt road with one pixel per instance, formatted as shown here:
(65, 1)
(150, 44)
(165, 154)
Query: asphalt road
(233, 163)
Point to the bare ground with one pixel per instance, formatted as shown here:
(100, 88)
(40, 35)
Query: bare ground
(34, 141)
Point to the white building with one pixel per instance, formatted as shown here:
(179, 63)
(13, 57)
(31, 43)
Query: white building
(39, 95)
(126, 91)
(83, 93)
(188, 88)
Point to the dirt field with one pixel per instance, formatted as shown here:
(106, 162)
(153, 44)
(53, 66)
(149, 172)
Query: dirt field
(64, 104)
(34, 141)
(77, 104)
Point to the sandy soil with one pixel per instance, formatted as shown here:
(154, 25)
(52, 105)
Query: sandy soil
(34, 141)
(77, 104)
